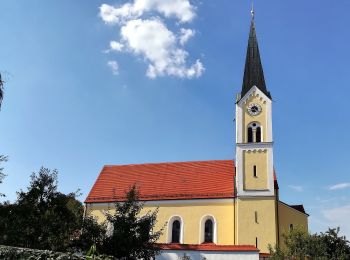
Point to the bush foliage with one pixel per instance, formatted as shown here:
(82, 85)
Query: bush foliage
(300, 245)
(15, 253)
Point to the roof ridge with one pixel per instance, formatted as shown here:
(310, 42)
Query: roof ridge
(158, 163)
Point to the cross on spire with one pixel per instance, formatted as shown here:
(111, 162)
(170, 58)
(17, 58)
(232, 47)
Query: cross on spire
(252, 10)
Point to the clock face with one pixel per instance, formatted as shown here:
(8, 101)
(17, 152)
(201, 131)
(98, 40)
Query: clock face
(254, 109)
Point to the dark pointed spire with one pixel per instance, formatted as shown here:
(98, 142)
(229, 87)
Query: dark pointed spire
(253, 71)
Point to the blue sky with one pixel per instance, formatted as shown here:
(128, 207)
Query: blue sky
(76, 102)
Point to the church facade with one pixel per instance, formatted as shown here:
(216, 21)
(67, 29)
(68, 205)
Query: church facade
(229, 208)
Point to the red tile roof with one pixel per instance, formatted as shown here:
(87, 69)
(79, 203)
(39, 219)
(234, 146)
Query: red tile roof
(166, 181)
(209, 247)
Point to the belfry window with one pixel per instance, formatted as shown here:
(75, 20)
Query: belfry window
(250, 135)
(208, 231)
(175, 232)
(258, 134)
(254, 133)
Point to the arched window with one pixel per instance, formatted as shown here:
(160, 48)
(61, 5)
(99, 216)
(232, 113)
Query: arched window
(175, 232)
(254, 133)
(258, 134)
(250, 135)
(208, 231)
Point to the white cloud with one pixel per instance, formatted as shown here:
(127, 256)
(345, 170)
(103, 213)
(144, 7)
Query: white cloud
(340, 186)
(112, 15)
(185, 35)
(296, 188)
(116, 46)
(151, 39)
(339, 217)
(181, 9)
(158, 45)
(114, 66)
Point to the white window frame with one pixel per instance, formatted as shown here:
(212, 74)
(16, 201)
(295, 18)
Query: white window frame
(254, 131)
(202, 228)
(170, 228)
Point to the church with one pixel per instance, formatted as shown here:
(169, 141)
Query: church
(219, 209)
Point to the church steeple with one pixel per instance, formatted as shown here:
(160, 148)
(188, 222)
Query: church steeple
(253, 71)
(254, 140)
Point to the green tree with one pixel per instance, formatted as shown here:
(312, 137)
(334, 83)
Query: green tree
(1, 90)
(298, 244)
(90, 235)
(2, 157)
(337, 247)
(42, 217)
(2, 174)
(315, 247)
(132, 236)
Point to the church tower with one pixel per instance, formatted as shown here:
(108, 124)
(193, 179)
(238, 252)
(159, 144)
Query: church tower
(254, 142)
(256, 200)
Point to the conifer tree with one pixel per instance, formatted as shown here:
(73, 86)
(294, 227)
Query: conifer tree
(132, 236)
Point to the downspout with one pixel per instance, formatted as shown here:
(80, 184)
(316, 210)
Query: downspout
(278, 219)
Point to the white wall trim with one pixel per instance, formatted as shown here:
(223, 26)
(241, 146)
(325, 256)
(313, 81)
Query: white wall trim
(201, 228)
(239, 128)
(252, 91)
(255, 146)
(209, 255)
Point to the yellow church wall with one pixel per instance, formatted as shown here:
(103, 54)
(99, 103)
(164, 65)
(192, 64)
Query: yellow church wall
(287, 216)
(256, 219)
(261, 118)
(191, 213)
(258, 158)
